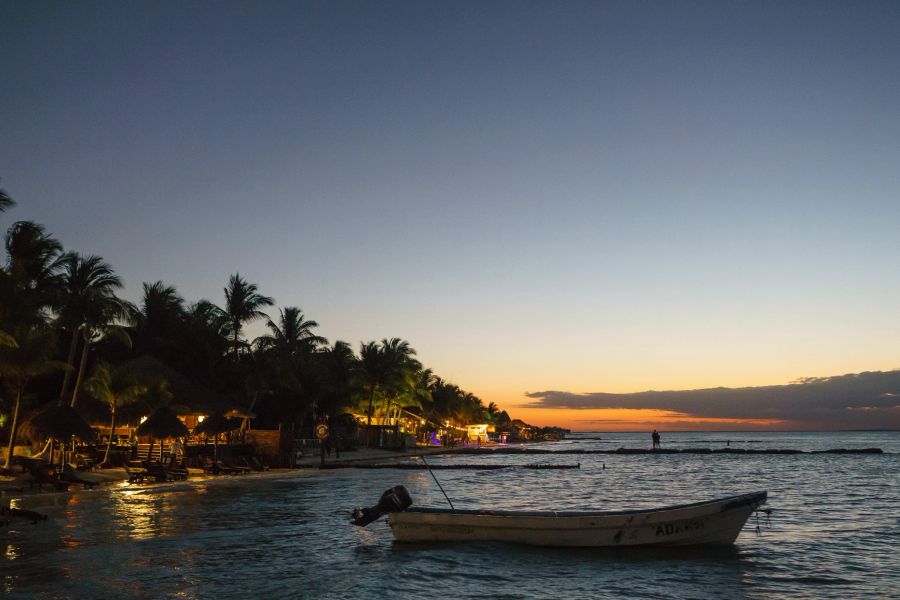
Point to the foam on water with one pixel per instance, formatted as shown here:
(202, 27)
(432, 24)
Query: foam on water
(834, 532)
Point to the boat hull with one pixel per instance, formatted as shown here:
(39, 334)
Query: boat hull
(713, 522)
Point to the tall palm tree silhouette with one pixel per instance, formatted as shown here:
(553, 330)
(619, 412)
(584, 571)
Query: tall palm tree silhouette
(243, 303)
(87, 287)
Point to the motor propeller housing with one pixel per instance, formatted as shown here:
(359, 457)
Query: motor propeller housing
(395, 499)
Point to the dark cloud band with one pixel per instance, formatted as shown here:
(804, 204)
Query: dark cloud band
(863, 400)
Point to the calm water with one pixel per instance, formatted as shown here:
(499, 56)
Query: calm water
(835, 531)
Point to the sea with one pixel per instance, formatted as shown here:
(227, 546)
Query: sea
(834, 529)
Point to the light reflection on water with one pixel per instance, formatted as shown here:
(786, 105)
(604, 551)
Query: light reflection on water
(833, 534)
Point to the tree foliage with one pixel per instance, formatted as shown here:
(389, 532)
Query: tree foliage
(61, 317)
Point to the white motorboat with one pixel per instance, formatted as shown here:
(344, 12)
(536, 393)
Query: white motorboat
(711, 522)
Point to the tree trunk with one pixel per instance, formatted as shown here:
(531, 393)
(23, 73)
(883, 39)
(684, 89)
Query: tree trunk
(73, 347)
(150, 451)
(15, 423)
(369, 415)
(84, 355)
(334, 438)
(385, 414)
(112, 433)
(371, 399)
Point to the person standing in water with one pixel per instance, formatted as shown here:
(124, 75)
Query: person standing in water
(656, 440)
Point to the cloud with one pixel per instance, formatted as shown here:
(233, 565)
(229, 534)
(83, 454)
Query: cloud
(863, 400)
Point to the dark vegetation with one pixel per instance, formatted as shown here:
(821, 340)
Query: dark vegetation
(67, 339)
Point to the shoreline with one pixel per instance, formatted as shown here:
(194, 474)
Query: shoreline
(15, 492)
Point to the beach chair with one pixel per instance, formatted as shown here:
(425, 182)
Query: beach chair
(254, 463)
(73, 475)
(136, 474)
(86, 462)
(158, 471)
(46, 474)
(218, 468)
(238, 469)
(175, 469)
(25, 463)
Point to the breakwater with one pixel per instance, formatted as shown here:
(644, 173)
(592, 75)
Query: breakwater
(525, 450)
(442, 467)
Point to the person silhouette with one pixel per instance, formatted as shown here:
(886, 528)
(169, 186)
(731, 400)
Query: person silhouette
(656, 440)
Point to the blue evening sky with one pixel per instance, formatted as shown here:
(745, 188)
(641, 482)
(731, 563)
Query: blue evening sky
(584, 196)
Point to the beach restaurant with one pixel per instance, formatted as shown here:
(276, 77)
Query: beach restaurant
(193, 404)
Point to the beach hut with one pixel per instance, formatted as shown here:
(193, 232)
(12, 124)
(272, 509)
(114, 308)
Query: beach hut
(215, 425)
(56, 422)
(162, 424)
(478, 433)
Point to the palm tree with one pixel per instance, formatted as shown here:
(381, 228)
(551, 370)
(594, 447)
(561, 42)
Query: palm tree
(203, 340)
(86, 282)
(292, 335)
(159, 317)
(283, 362)
(423, 380)
(337, 367)
(374, 372)
(469, 409)
(402, 385)
(101, 321)
(386, 367)
(156, 395)
(446, 399)
(115, 387)
(30, 358)
(400, 355)
(28, 283)
(5, 201)
(242, 305)
(492, 411)
(33, 255)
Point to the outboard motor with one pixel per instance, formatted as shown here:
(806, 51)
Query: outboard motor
(395, 499)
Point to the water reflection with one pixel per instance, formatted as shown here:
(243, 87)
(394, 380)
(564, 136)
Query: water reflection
(832, 533)
(12, 552)
(152, 513)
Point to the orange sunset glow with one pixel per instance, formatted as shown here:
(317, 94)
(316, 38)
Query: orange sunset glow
(631, 419)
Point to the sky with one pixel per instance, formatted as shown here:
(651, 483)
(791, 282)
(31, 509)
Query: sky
(547, 200)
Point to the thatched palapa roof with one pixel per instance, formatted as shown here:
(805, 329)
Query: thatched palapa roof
(58, 421)
(163, 424)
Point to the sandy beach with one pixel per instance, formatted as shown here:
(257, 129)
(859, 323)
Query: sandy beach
(17, 490)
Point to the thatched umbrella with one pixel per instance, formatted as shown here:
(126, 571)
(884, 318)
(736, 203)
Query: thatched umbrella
(163, 423)
(57, 422)
(215, 424)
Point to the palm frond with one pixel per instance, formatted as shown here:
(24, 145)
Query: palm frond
(5, 201)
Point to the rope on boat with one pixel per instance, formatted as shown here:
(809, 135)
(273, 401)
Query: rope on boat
(768, 513)
(422, 456)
